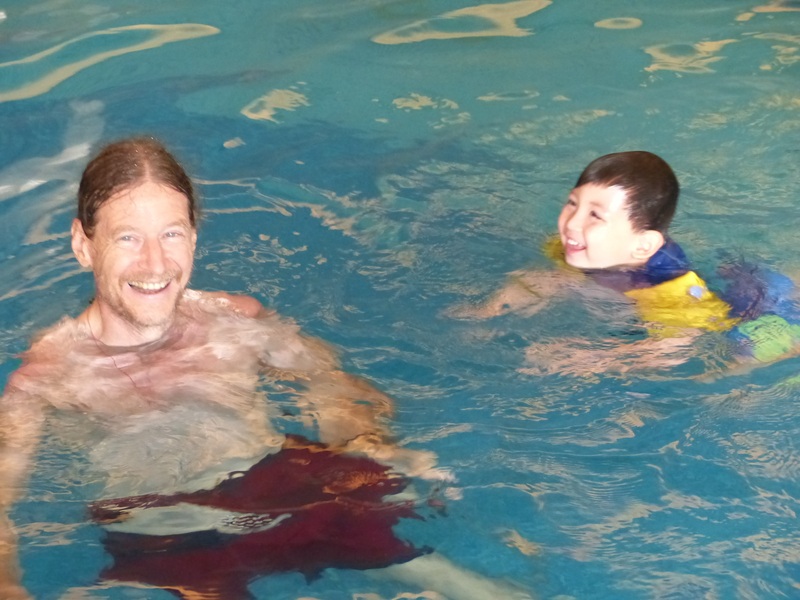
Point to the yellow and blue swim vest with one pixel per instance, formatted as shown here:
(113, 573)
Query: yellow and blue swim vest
(755, 308)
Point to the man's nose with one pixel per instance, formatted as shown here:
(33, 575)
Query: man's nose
(153, 258)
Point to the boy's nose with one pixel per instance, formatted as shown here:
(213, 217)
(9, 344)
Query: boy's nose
(572, 222)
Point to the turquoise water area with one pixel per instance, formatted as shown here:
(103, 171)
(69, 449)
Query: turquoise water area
(366, 165)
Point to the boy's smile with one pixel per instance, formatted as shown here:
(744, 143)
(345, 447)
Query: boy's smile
(595, 229)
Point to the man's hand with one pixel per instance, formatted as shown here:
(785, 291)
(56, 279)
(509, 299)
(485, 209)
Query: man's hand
(412, 463)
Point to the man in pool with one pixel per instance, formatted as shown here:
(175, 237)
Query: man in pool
(613, 231)
(201, 494)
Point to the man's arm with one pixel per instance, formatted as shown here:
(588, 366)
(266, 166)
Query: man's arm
(21, 420)
(340, 405)
(347, 411)
(351, 413)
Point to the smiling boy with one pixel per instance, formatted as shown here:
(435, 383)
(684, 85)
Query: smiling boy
(613, 231)
(618, 213)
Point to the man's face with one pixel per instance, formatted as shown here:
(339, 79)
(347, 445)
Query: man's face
(595, 228)
(141, 254)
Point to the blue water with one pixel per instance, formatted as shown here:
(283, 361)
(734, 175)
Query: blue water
(364, 166)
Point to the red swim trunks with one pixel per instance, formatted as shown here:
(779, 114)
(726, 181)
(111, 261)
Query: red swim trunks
(303, 509)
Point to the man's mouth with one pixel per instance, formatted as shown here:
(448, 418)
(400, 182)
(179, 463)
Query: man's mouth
(149, 287)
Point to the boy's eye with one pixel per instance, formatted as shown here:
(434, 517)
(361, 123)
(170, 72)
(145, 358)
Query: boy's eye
(594, 215)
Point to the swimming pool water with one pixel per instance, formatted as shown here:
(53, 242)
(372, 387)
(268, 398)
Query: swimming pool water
(364, 166)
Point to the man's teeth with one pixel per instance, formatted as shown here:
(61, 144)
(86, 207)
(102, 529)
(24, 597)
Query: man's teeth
(149, 286)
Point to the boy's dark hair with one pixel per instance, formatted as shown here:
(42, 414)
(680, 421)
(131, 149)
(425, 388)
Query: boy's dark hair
(126, 164)
(648, 181)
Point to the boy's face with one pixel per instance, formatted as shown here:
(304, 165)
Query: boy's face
(595, 229)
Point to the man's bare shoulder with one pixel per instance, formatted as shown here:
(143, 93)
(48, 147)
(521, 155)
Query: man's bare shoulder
(46, 354)
(277, 340)
(236, 303)
(58, 336)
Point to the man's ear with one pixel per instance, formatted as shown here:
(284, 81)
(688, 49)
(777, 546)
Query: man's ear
(648, 243)
(81, 245)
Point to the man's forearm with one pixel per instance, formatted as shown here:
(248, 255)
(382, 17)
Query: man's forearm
(21, 420)
(345, 406)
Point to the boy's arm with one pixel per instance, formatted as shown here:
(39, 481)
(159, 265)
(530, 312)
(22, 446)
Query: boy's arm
(525, 292)
(583, 358)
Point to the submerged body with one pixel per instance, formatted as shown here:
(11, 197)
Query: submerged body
(201, 494)
(199, 380)
(174, 418)
(304, 509)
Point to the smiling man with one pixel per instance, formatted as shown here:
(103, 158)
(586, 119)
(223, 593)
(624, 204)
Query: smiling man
(171, 386)
(141, 252)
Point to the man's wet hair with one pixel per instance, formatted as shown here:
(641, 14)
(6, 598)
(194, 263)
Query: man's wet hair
(124, 165)
(648, 182)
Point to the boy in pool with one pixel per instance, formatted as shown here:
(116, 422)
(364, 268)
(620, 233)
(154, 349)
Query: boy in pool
(613, 230)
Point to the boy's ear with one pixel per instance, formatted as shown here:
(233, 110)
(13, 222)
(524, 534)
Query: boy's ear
(81, 245)
(647, 243)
